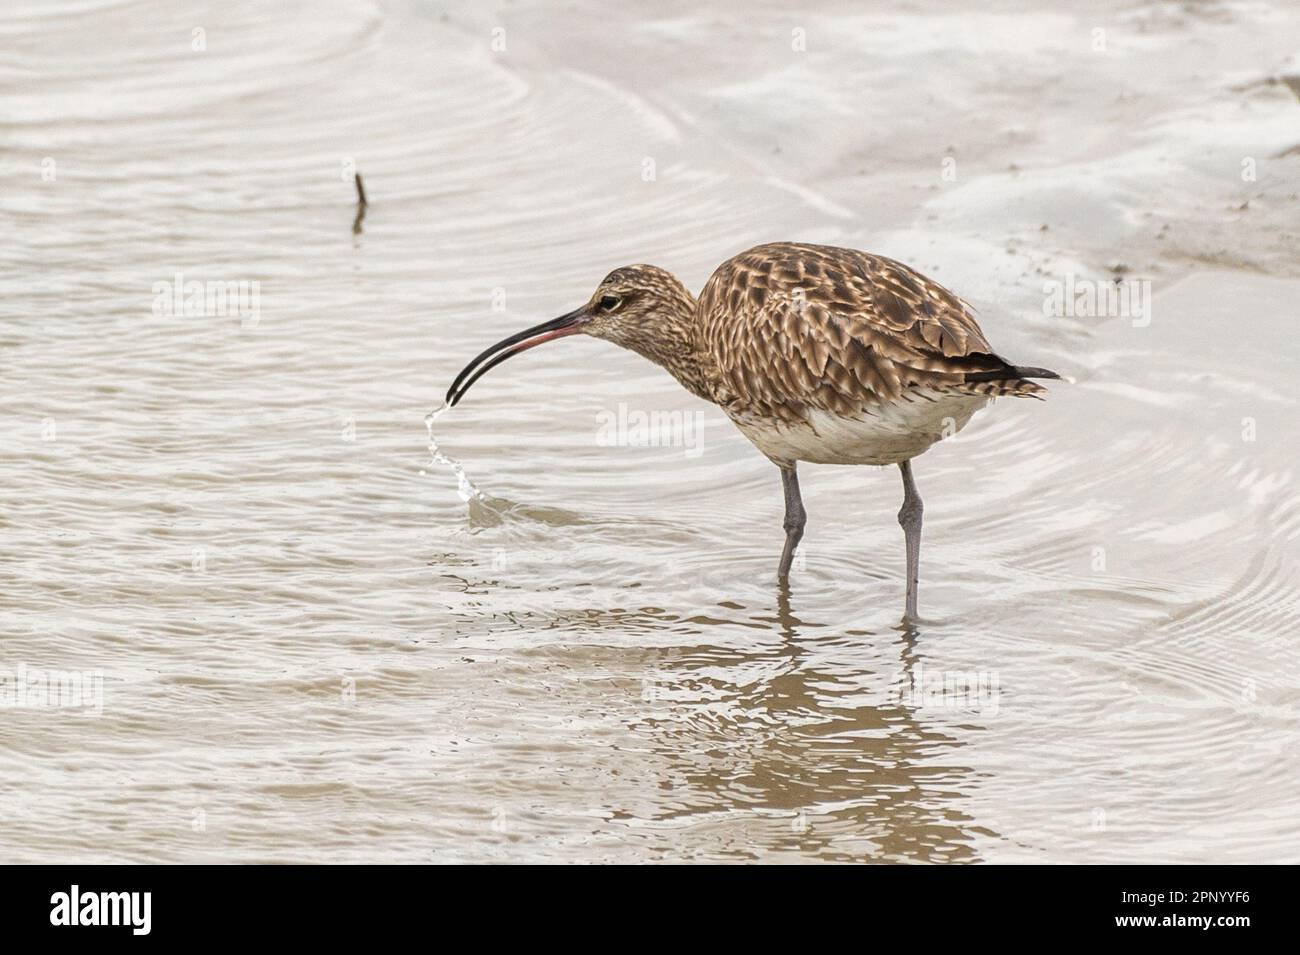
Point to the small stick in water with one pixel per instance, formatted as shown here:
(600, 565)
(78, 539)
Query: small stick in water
(361, 205)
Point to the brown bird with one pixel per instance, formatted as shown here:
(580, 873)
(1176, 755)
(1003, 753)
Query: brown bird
(816, 353)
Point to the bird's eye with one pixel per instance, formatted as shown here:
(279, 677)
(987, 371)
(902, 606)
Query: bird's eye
(609, 302)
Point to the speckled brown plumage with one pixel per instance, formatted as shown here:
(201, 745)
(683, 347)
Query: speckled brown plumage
(785, 328)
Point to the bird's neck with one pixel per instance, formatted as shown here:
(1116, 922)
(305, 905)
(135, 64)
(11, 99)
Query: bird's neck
(673, 348)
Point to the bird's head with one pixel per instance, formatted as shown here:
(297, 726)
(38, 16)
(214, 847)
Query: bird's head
(639, 307)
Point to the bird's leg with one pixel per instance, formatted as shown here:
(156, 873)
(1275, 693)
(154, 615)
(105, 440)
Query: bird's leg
(794, 519)
(909, 516)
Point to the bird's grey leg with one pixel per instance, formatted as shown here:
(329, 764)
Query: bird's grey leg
(794, 519)
(909, 515)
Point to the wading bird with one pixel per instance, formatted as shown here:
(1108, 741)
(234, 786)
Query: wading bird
(816, 353)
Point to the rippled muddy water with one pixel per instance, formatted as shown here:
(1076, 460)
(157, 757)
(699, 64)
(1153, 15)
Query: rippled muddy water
(316, 644)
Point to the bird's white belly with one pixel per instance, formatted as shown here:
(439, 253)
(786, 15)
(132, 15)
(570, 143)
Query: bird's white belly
(889, 434)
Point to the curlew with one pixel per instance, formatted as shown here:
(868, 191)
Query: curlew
(816, 353)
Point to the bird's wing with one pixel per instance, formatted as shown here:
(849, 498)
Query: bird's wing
(793, 327)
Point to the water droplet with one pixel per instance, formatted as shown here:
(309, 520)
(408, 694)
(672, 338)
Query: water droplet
(465, 488)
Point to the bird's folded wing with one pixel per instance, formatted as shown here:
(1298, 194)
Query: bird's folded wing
(839, 331)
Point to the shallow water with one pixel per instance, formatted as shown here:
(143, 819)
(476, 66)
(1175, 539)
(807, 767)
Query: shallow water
(318, 643)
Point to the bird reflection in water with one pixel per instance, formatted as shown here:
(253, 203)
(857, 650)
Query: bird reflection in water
(817, 747)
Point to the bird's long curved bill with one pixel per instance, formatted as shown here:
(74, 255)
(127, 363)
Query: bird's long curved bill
(508, 347)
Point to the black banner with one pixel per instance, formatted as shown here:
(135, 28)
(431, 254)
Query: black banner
(1229, 905)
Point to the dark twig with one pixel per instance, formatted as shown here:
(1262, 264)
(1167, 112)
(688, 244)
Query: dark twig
(362, 203)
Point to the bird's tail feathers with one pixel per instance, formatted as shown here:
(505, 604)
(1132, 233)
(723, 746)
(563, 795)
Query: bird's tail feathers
(1022, 371)
(1004, 378)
